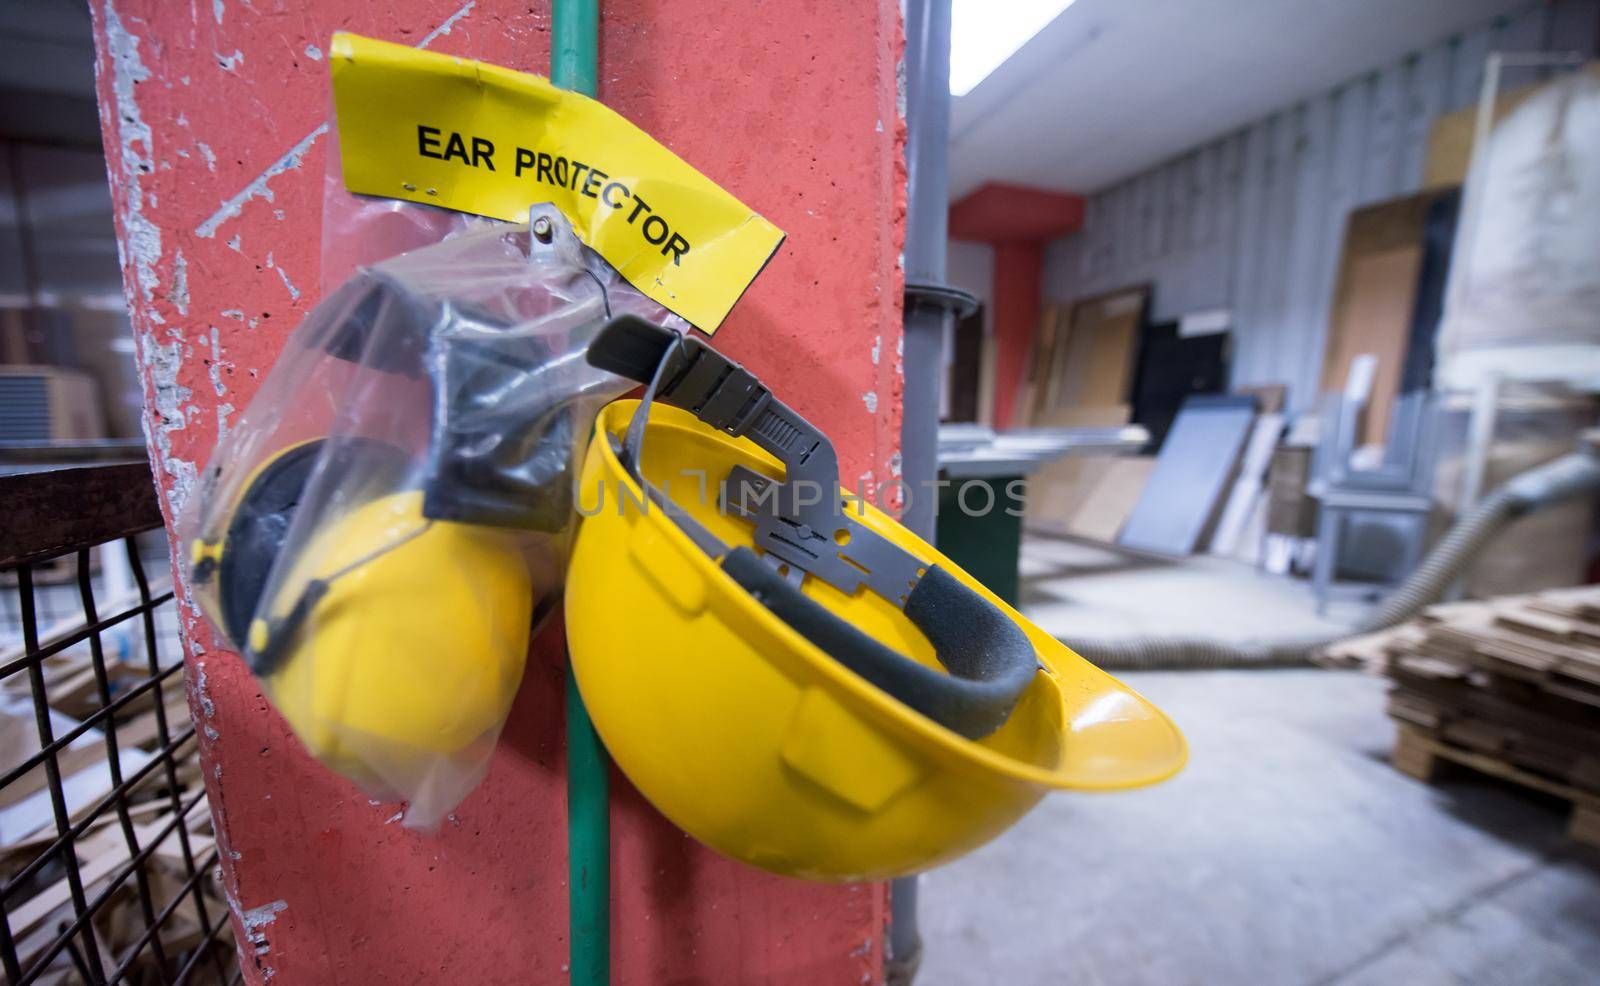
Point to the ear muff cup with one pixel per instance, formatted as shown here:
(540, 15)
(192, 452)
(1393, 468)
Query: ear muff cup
(413, 648)
(260, 523)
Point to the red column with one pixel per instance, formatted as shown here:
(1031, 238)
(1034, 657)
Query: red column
(1018, 221)
(214, 117)
(1016, 302)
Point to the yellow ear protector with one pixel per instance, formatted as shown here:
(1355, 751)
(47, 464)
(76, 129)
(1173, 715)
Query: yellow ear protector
(394, 630)
(792, 677)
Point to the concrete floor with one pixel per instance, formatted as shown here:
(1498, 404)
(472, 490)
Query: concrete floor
(1289, 851)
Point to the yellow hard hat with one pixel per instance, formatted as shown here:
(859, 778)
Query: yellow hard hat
(805, 685)
(391, 642)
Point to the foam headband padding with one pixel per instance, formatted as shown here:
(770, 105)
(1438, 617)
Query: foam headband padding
(990, 659)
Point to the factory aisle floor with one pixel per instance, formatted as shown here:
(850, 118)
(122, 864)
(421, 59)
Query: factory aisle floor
(1289, 851)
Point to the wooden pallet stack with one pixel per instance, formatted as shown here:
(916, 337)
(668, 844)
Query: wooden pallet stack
(41, 906)
(1509, 687)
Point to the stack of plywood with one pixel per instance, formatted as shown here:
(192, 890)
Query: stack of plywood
(112, 832)
(1508, 686)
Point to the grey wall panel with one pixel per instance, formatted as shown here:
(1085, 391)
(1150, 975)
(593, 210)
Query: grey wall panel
(1253, 221)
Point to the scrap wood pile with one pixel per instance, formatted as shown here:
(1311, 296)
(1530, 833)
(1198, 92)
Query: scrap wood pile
(1508, 686)
(135, 859)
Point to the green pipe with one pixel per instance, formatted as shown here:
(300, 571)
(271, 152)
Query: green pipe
(588, 847)
(575, 45)
(574, 64)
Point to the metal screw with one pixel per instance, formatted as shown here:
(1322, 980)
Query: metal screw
(542, 230)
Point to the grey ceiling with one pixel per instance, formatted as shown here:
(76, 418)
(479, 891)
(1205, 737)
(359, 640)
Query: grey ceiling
(1115, 86)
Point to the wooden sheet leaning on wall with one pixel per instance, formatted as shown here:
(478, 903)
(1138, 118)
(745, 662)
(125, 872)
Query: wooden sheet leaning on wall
(1085, 358)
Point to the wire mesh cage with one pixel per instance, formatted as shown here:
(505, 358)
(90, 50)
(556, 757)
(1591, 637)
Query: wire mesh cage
(108, 863)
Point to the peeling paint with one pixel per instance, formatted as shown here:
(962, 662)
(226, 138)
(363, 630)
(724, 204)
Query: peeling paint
(314, 53)
(230, 62)
(217, 363)
(294, 292)
(180, 284)
(446, 25)
(900, 88)
(255, 921)
(127, 71)
(877, 349)
(201, 692)
(260, 187)
(167, 398)
(870, 398)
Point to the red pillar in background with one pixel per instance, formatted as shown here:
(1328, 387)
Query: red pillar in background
(1017, 222)
(215, 123)
(1015, 303)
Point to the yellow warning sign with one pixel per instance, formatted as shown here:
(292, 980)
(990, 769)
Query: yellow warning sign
(477, 138)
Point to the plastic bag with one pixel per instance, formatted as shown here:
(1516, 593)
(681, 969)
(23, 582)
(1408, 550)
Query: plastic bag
(1526, 264)
(361, 230)
(389, 520)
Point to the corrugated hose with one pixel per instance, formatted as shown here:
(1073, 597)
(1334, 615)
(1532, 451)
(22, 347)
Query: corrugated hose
(1571, 475)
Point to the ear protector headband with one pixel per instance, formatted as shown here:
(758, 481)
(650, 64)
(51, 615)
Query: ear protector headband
(989, 658)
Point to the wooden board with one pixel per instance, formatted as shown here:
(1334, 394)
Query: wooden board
(1374, 295)
(1086, 358)
(1107, 416)
(1058, 490)
(1508, 686)
(1422, 757)
(1109, 502)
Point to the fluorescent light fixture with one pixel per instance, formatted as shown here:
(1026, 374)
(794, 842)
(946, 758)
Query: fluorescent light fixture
(984, 33)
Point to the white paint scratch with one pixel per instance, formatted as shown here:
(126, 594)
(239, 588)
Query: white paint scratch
(877, 349)
(127, 71)
(216, 10)
(180, 284)
(447, 25)
(395, 817)
(162, 361)
(229, 62)
(870, 398)
(202, 693)
(314, 53)
(208, 154)
(217, 363)
(255, 921)
(900, 88)
(261, 187)
(294, 292)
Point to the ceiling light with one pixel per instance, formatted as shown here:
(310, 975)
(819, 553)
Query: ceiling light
(983, 34)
